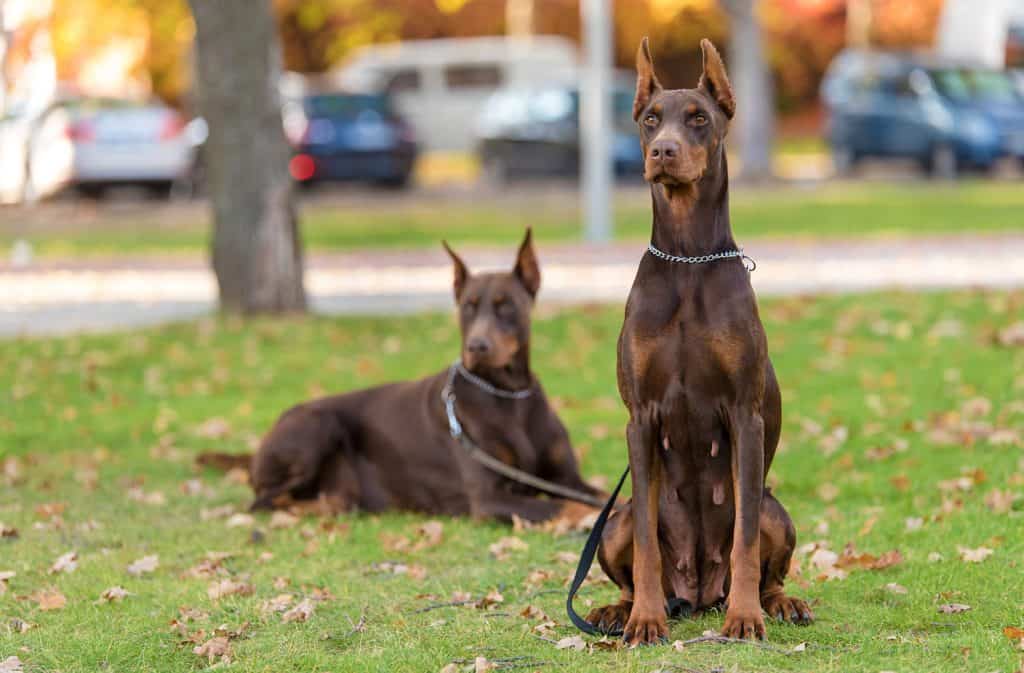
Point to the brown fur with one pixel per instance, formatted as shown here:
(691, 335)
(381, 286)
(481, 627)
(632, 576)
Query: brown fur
(389, 447)
(704, 404)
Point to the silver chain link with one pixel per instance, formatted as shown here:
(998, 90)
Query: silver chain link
(703, 259)
(488, 387)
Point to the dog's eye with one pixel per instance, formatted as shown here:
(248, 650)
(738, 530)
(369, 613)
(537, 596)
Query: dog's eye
(650, 120)
(470, 305)
(506, 310)
(699, 120)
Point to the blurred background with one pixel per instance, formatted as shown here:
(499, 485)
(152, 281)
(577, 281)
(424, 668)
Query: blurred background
(405, 121)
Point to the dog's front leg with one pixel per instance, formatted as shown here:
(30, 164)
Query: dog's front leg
(647, 623)
(743, 618)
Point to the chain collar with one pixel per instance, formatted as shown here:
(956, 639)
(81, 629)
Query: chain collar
(448, 393)
(748, 262)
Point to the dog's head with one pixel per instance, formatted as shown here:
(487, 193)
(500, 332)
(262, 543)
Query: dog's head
(494, 309)
(682, 130)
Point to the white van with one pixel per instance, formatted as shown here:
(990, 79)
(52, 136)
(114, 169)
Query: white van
(440, 86)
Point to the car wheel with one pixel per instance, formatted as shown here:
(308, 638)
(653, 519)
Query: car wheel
(495, 171)
(395, 182)
(942, 163)
(844, 159)
(92, 192)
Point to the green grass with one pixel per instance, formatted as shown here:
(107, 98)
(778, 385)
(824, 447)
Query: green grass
(833, 211)
(85, 418)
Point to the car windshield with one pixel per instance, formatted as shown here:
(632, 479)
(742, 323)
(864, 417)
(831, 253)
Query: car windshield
(984, 86)
(345, 106)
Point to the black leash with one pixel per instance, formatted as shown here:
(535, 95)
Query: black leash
(587, 560)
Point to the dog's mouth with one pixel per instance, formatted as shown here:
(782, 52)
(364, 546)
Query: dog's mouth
(660, 176)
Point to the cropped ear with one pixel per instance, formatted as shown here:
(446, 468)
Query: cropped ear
(527, 269)
(461, 272)
(714, 81)
(646, 82)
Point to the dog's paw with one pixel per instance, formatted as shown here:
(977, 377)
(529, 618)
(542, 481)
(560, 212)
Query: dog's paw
(744, 624)
(610, 618)
(646, 629)
(787, 609)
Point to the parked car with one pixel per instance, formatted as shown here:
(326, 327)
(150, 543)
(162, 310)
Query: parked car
(536, 132)
(905, 106)
(341, 136)
(92, 144)
(440, 85)
(992, 93)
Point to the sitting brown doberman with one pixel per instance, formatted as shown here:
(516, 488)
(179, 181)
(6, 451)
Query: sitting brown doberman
(395, 447)
(701, 529)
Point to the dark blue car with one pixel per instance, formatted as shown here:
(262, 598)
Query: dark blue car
(343, 137)
(903, 106)
(524, 133)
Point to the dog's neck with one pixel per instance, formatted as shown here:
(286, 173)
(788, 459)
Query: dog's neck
(514, 376)
(693, 219)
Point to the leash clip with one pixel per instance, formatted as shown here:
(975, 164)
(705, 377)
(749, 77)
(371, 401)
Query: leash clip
(749, 263)
(454, 427)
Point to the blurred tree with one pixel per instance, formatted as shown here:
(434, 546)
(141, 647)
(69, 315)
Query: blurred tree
(257, 254)
(751, 80)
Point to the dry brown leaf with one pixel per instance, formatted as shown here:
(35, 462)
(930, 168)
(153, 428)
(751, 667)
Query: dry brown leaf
(219, 512)
(978, 555)
(892, 587)
(501, 549)
(156, 498)
(279, 603)
(66, 563)
(571, 643)
(953, 608)
(491, 600)
(1013, 632)
(537, 577)
(50, 510)
(144, 565)
(482, 665)
(533, 612)
(5, 575)
(113, 595)
(282, 519)
(450, 668)
(50, 599)
(1012, 335)
(213, 428)
(218, 648)
(11, 665)
(8, 531)
(229, 587)
(240, 520)
(299, 613)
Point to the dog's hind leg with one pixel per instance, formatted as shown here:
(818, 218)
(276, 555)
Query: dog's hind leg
(291, 459)
(778, 539)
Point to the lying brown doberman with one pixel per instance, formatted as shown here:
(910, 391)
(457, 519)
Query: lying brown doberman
(392, 446)
(704, 404)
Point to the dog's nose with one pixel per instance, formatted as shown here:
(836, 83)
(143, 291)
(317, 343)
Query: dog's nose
(478, 346)
(664, 149)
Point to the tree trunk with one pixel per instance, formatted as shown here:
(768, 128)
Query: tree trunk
(257, 253)
(751, 81)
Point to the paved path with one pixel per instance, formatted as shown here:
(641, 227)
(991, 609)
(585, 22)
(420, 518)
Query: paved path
(55, 298)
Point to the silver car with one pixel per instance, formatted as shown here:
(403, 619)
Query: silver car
(95, 143)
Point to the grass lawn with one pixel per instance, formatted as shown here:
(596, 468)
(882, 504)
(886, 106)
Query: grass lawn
(847, 210)
(903, 431)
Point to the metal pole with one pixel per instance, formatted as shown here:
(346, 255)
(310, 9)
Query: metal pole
(595, 120)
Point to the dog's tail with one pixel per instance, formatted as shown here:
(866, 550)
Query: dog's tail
(225, 462)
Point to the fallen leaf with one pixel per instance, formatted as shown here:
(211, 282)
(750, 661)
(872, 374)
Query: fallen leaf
(896, 588)
(500, 549)
(1013, 632)
(482, 665)
(220, 512)
(914, 523)
(281, 519)
(935, 557)
(533, 612)
(450, 668)
(571, 643)
(66, 563)
(240, 520)
(113, 595)
(4, 576)
(953, 608)
(50, 510)
(823, 559)
(8, 531)
(978, 555)
(11, 665)
(802, 647)
(489, 601)
(156, 498)
(213, 428)
(1012, 335)
(279, 603)
(229, 587)
(214, 649)
(50, 599)
(144, 565)
(299, 613)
